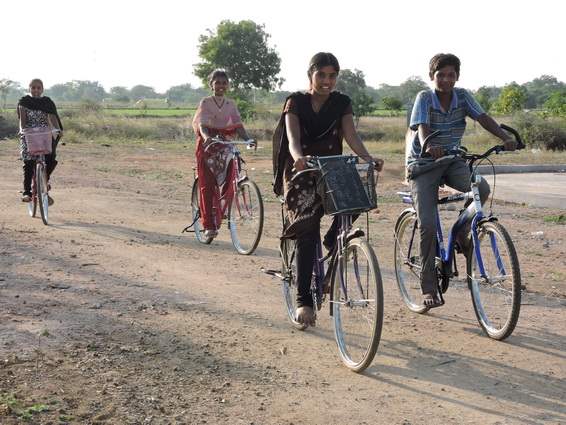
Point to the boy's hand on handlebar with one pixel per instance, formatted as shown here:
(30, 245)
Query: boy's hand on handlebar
(510, 144)
(435, 151)
(301, 163)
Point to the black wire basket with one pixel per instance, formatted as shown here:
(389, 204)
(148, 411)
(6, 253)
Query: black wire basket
(346, 187)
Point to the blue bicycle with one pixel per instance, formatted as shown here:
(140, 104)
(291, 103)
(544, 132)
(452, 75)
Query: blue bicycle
(492, 268)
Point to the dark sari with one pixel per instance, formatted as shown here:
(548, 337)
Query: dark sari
(321, 135)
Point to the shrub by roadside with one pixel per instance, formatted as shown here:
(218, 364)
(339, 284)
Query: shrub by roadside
(541, 132)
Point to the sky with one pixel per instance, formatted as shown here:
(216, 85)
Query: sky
(155, 43)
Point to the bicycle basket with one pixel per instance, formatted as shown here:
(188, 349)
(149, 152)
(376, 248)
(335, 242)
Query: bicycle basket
(345, 186)
(38, 140)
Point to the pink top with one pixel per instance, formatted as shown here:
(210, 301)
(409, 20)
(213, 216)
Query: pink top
(219, 116)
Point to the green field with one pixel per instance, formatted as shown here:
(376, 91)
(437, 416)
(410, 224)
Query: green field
(162, 112)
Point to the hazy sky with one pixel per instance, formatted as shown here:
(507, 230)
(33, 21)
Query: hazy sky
(124, 42)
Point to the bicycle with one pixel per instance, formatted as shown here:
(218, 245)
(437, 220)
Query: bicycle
(240, 201)
(492, 267)
(353, 274)
(39, 143)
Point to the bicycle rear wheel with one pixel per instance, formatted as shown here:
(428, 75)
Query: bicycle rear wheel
(246, 217)
(32, 205)
(290, 288)
(195, 210)
(42, 194)
(496, 295)
(408, 261)
(357, 305)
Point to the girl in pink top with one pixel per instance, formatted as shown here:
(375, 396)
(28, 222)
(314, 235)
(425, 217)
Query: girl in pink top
(216, 115)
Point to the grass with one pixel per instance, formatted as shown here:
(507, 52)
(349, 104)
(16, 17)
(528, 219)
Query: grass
(555, 219)
(149, 113)
(11, 405)
(384, 135)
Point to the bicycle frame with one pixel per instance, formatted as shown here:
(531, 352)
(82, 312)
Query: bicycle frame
(446, 253)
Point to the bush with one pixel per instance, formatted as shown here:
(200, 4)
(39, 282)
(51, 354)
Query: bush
(9, 126)
(540, 132)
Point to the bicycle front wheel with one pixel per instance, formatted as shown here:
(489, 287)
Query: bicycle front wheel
(290, 288)
(246, 217)
(42, 194)
(357, 305)
(195, 210)
(408, 263)
(496, 294)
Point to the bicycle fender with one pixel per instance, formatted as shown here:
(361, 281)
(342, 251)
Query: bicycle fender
(402, 216)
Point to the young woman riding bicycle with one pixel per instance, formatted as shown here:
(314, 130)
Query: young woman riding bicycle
(314, 123)
(35, 112)
(216, 116)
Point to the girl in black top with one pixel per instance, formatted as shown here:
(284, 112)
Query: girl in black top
(314, 123)
(35, 110)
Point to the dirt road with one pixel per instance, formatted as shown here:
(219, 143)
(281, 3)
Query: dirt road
(110, 316)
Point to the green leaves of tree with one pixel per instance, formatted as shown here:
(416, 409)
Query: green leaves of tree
(242, 50)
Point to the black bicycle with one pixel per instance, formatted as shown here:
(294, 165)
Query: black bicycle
(352, 276)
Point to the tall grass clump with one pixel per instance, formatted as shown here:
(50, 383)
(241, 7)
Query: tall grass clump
(97, 125)
(541, 132)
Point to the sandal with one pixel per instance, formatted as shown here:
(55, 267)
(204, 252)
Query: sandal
(432, 300)
(305, 315)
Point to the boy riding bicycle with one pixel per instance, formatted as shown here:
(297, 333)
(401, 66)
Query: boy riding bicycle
(443, 109)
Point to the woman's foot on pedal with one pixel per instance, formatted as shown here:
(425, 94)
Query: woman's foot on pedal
(305, 315)
(432, 300)
(26, 197)
(210, 233)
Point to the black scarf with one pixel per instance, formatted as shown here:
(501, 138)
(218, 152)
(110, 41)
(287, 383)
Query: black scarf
(44, 104)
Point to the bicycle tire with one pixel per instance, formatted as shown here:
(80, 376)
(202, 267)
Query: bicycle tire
(497, 302)
(245, 219)
(42, 195)
(408, 265)
(357, 352)
(195, 215)
(289, 282)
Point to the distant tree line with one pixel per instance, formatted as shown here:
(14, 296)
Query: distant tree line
(545, 92)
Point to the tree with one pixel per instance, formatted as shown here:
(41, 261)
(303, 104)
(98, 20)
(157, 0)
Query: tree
(540, 89)
(392, 103)
(486, 96)
(120, 94)
(242, 50)
(5, 87)
(410, 88)
(185, 93)
(513, 98)
(77, 90)
(353, 84)
(556, 103)
(143, 92)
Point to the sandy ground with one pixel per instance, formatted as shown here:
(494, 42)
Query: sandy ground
(111, 316)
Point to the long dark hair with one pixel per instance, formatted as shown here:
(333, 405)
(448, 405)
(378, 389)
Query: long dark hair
(320, 60)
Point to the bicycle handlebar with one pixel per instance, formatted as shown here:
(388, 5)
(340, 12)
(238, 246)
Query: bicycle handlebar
(250, 143)
(474, 157)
